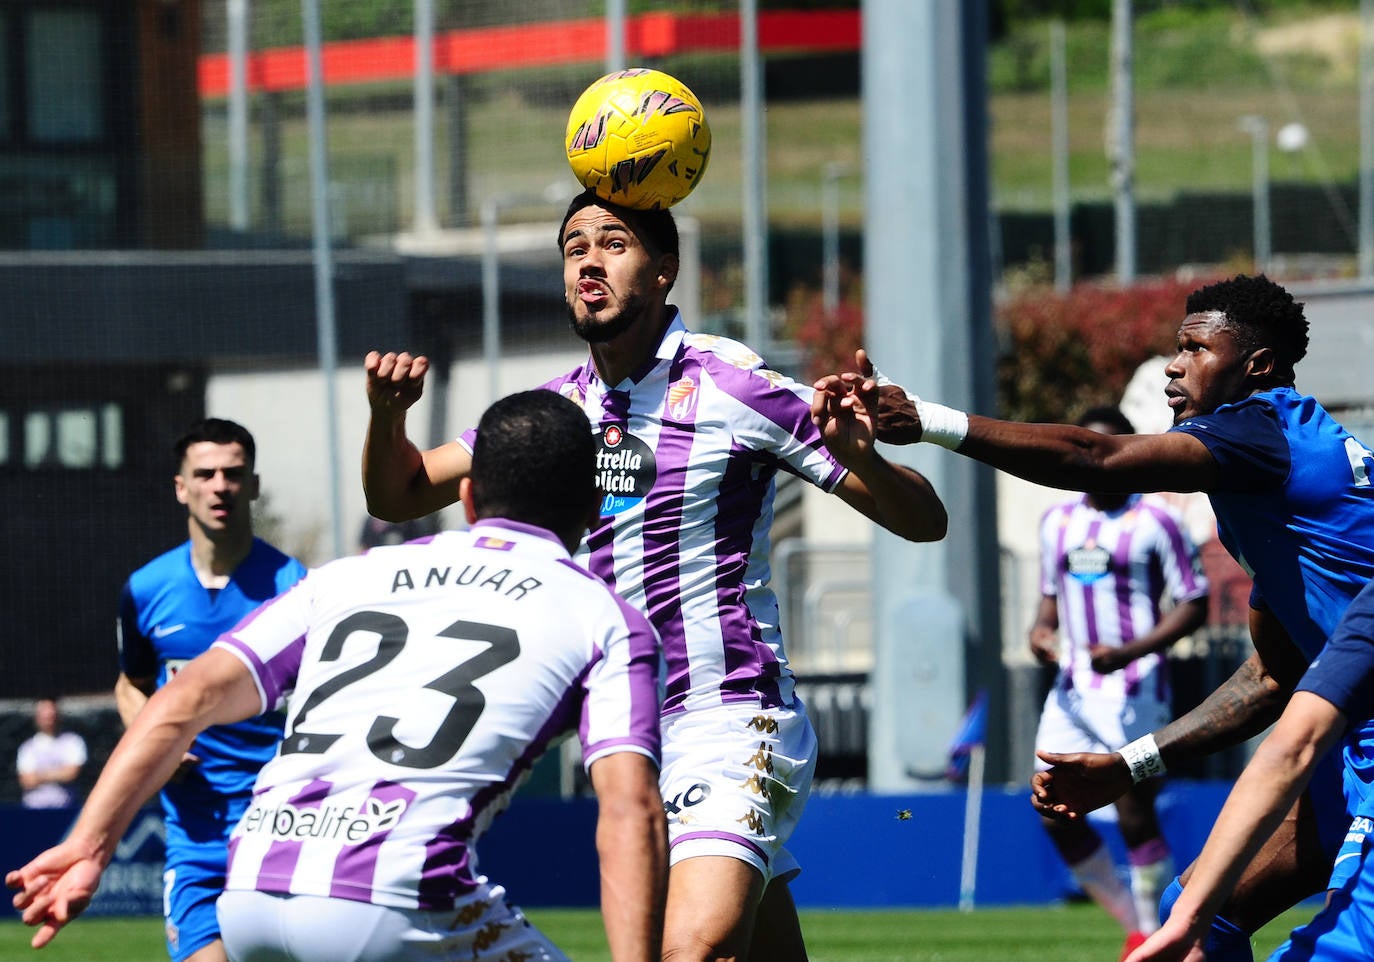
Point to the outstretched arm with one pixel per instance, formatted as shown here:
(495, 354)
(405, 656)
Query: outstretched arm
(1242, 707)
(632, 844)
(1056, 455)
(1261, 797)
(893, 495)
(399, 480)
(56, 887)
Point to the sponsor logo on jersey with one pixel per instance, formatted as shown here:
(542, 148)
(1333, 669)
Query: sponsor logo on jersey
(161, 632)
(335, 823)
(625, 470)
(1088, 563)
(694, 795)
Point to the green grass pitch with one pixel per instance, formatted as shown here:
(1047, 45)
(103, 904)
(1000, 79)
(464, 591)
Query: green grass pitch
(1069, 933)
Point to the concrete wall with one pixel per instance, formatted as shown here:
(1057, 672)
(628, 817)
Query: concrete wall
(285, 410)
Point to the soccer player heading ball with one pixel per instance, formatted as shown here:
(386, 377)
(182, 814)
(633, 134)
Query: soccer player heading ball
(639, 138)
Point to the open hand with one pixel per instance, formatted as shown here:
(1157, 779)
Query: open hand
(54, 888)
(1173, 942)
(1078, 783)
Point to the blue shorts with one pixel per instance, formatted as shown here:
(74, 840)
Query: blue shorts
(1327, 794)
(1340, 932)
(193, 875)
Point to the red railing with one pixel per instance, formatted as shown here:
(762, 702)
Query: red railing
(534, 45)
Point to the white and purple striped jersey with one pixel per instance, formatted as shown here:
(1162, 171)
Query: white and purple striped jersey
(688, 450)
(421, 682)
(1108, 572)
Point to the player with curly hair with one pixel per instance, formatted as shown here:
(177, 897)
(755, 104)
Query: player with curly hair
(1291, 491)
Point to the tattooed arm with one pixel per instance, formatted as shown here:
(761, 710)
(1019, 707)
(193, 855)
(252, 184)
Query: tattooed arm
(1243, 706)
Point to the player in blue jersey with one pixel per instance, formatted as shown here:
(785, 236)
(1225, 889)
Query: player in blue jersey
(1334, 697)
(170, 611)
(1291, 491)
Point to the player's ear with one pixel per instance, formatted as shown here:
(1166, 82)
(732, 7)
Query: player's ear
(179, 485)
(1260, 363)
(465, 496)
(254, 486)
(668, 266)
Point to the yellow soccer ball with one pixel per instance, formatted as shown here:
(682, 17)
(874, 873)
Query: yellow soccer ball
(639, 138)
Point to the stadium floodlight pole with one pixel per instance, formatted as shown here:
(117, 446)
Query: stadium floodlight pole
(1366, 245)
(928, 324)
(1123, 159)
(615, 35)
(491, 293)
(325, 332)
(1059, 137)
(755, 208)
(1258, 129)
(830, 234)
(236, 24)
(426, 220)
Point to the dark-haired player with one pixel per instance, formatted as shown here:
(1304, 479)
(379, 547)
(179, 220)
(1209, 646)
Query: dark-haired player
(1291, 491)
(170, 611)
(422, 681)
(691, 432)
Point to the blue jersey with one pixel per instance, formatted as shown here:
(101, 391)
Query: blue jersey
(166, 618)
(1343, 674)
(1294, 506)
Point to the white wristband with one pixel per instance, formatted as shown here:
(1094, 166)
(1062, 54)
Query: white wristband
(940, 425)
(1143, 759)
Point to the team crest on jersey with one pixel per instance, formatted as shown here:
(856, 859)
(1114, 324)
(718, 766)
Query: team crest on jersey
(1088, 563)
(495, 544)
(625, 470)
(682, 399)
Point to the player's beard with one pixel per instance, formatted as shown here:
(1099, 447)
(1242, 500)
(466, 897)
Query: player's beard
(602, 327)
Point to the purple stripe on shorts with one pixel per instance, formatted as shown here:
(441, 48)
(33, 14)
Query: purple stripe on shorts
(726, 836)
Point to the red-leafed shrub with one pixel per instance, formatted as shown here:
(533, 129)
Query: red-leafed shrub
(1061, 353)
(1065, 352)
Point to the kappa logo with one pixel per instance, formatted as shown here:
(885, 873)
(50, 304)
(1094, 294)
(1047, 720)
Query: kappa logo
(161, 632)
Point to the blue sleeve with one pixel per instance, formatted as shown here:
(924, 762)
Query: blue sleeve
(1343, 672)
(137, 657)
(1247, 443)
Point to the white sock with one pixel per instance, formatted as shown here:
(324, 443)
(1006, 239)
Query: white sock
(1147, 885)
(1097, 876)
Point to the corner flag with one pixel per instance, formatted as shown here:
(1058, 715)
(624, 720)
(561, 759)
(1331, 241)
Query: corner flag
(973, 732)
